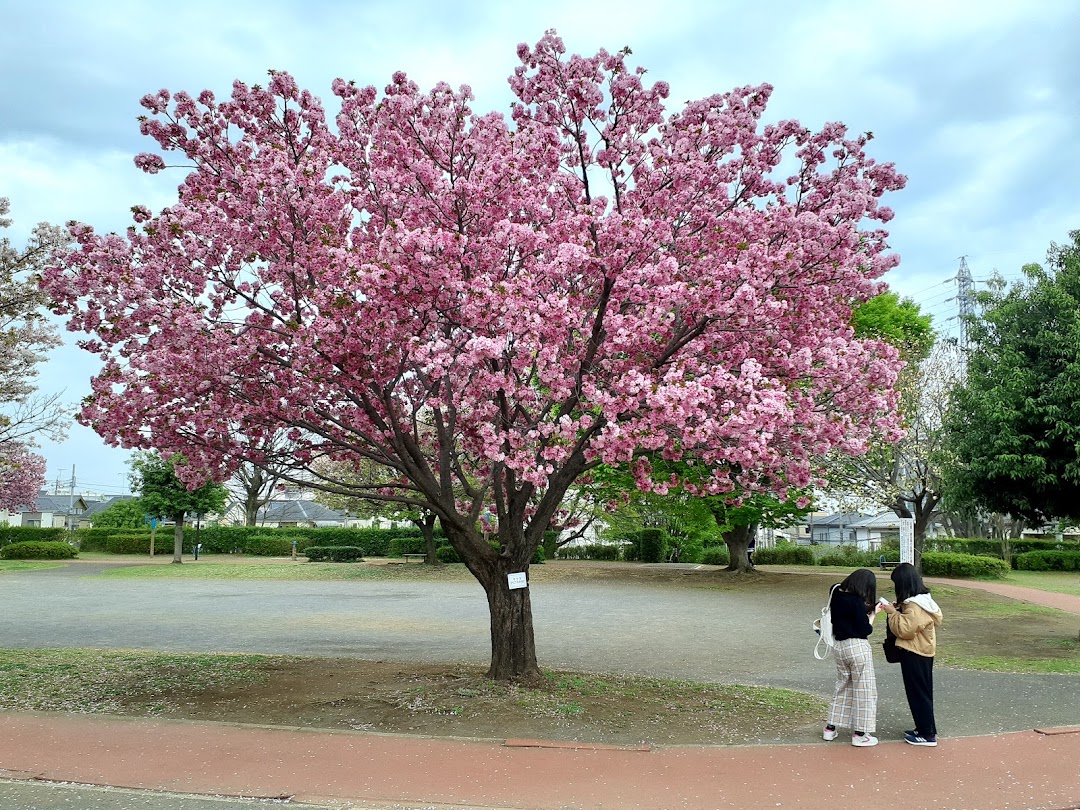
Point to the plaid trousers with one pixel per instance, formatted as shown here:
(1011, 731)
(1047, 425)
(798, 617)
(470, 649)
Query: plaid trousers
(854, 703)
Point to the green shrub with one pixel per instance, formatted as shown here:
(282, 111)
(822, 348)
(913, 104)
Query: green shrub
(268, 545)
(38, 550)
(691, 549)
(938, 564)
(650, 545)
(717, 555)
(1048, 561)
(447, 554)
(591, 551)
(784, 555)
(92, 539)
(334, 553)
(375, 542)
(31, 534)
(139, 543)
(850, 556)
(400, 546)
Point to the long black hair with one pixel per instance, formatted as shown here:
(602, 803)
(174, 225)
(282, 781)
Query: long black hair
(863, 583)
(907, 582)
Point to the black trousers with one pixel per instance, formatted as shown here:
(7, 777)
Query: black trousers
(918, 673)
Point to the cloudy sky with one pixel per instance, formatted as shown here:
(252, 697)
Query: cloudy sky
(978, 103)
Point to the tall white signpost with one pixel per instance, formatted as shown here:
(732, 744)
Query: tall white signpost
(907, 540)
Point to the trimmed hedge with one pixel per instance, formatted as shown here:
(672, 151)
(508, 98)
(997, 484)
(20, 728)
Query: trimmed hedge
(718, 555)
(591, 551)
(784, 555)
(265, 545)
(409, 544)
(375, 542)
(129, 542)
(256, 540)
(992, 548)
(937, 564)
(852, 557)
(1048, 561)
(30, 534)
(334, 553)
(38, 550)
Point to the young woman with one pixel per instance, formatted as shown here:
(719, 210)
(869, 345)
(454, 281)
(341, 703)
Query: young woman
(853, 606)
(914, 620)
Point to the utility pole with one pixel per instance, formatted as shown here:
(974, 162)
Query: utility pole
(71, 500)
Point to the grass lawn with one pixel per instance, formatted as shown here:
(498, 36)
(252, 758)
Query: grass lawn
(7, 566)
(1054, 581)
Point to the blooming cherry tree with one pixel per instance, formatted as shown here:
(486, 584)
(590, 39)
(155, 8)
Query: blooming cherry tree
(486, 307)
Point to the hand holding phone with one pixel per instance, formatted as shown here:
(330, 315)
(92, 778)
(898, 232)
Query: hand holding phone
(884, 601)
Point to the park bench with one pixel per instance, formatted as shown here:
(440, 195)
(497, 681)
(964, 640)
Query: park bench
(887, 564)
(420, 557)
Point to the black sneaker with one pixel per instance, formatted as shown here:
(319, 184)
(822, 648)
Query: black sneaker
(912, 738)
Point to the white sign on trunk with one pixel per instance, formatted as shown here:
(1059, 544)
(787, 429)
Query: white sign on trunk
(907, 540)
(517, 580)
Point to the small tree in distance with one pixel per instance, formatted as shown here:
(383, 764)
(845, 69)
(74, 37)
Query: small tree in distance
(489, 309)
(163, 494)
(128, 513)
(25, 339)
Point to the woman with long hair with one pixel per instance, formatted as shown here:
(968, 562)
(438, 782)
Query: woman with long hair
(914, 620)
(853, 605)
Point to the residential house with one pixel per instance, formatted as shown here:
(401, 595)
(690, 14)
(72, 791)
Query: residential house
(50, 511)
(279, 513)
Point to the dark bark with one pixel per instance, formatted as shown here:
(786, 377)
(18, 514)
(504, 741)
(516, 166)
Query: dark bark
(738, 541)
(513, 645)
(426, 524)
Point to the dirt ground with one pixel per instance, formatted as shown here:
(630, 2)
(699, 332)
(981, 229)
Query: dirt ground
(449, 701)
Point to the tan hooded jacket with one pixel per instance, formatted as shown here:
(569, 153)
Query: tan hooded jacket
(915, 624)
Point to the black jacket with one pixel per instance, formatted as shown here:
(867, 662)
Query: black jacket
(849, 617)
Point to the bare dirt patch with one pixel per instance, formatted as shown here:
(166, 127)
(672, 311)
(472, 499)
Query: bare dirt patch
(461, 702)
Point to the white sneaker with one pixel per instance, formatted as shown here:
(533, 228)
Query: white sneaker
(863, 740)
(828, 734)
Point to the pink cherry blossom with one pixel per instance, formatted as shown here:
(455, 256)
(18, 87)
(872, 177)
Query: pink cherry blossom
(488, 307)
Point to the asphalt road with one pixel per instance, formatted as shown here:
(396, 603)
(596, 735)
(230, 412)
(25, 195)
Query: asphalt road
(748, 637)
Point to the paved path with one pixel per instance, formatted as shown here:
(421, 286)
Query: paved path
(1023, 768)
(1060, 601)
(339, 769)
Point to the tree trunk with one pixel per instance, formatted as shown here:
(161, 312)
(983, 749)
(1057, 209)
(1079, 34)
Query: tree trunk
(738, 540)
(426, 524)
(251, 510)
(513, 645)
(178, 538)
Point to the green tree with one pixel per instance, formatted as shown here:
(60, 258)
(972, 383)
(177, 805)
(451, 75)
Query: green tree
(1014, 429)
(903, 474)
(898, 322)
(738, 523)
(163, 494)
(126, 514)
(348, 481)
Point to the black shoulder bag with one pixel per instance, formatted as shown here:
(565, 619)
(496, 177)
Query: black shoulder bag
(892, 652)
